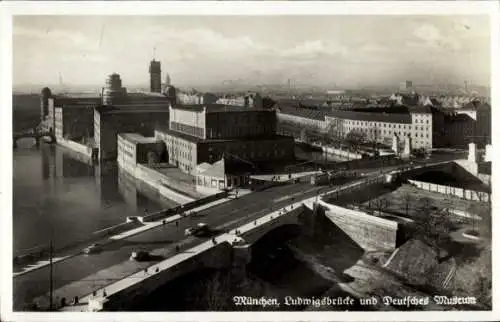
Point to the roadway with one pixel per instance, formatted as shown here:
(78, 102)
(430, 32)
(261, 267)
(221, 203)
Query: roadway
(227, 215)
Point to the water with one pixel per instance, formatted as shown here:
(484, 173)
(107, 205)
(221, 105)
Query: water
(55, 191)
(303, 153)
(274, 272)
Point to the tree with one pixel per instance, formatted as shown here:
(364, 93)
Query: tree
(355, 138)
(303, 135)
(432, 226)
(152, 158)
(214, 291)
(380, 204)
(332, 131)
(407, 200)
(268, 103)
(481, 219)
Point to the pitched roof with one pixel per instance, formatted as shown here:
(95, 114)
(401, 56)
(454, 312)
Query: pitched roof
(475, 105)
(138, 138)
(309, 113)
(214, 108)
(371, 116)
(217, 169)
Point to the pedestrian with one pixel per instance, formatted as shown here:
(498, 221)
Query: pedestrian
(163, 222)
(146, 271)
(104, 294)
(157, 270)
(177, 248)
(76, 300)
(63, 301)
(94, 293)
(214, 241)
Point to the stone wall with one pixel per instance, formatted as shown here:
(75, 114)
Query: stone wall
(89, 152)
(341, 153)
(369, 232)
(217, 257)
(155, 180)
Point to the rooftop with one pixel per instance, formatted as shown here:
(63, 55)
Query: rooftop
(371, 116)
(133, 108)
(146, 95)
(215, 108)
(295, 110)
(475, 105)
(217, 169)
(137, 138)
(77, 95)
(194, 139)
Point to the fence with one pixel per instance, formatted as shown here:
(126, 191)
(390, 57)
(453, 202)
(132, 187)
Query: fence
(454, 191)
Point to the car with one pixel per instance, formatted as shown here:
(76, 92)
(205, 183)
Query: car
(198, 230)
(140, 255)
(92, 249)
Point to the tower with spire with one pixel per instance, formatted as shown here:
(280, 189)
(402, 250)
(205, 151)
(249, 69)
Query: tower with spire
(155, 75)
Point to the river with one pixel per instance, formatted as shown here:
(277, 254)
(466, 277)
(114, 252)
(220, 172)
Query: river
(54, 191)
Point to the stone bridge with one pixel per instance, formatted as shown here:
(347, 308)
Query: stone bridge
(37, 135)
(231, 250)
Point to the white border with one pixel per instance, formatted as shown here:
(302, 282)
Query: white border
(221, 8)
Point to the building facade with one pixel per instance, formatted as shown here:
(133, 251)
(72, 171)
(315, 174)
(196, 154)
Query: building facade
(381, 127)
(134, 148)
(200, 134)
(155, 76)
(74, 122)
(108, 122)
(69, 115)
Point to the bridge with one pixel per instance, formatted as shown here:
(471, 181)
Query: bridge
(100, 280)
(36, 134)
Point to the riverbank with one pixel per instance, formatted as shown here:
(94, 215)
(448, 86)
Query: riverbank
(166, 181)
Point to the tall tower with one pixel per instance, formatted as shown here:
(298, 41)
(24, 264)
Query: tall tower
(155, 76)
(44, 103)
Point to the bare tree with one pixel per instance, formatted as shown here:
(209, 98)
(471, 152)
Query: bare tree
(481, 219)
(214, 292)
(304, 135)
(333, 131)
(152, 158)
(380, 204)
(407, 201)
(432, 226)
(355, 138)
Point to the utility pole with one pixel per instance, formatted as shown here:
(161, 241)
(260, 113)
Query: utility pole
(51, 306)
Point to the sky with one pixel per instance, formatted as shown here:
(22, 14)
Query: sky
(331, 51)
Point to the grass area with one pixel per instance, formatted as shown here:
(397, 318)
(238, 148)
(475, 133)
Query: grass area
(473, 277)
(418, 263)
(399, 198)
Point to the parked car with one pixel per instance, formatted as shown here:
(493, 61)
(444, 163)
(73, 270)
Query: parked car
(140, 255)
(92, 249)
(198, 230)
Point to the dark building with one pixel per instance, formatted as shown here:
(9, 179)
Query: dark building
(109, 121)
(155, 76)
(44, 103)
